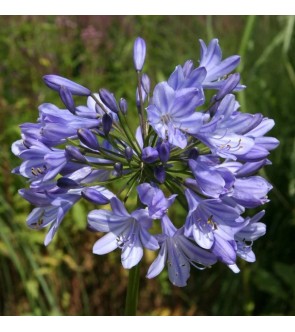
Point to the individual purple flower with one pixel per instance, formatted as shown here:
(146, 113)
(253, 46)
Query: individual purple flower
(253, 230)
(216, 68)
(226, 252)
(128, 232)
(180, 253)
(251, 192)
(40, 163)
(172, 113)
(187, 77)
(54, 202)
(229, 85)
(57, 205)
(55, 82)
(262, 144)
(223, 133)
(212, 179)
(56, 125)
(210, 217)
(155, 200)
(139, 52)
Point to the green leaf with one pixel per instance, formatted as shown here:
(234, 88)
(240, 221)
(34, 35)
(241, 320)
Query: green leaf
(268, 283)
(286, 273)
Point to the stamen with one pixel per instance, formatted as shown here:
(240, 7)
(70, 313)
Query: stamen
(39, 170)
(34, 171)
(39, 223)
(126, 237)
(166, 118)
(228, 146)
(212, 223)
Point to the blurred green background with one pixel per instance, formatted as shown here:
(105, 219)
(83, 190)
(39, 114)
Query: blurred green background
(96, 51)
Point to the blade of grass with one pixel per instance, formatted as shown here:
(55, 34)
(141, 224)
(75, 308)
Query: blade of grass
(277, 40)
(246, 38)
(288, 33)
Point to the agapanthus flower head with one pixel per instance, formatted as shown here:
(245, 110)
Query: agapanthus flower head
(191, 148)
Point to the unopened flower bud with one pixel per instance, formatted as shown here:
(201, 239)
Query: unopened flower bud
(55, 82)
(108, 99)
(146, 83)
(87, 137)
(66, 183)
(123, 105)
(128, 153)
(194, 153)
(118, 167)
(143, 96)
(139, 51)
(160, 174)
(164, 151)
(187, 67)
(107, 122)
(67, 98)
(229, 85)
(94, 196)
(74, 153)
(149, 155)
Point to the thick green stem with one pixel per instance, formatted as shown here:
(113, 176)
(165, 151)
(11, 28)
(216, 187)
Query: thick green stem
(132, 291)
(143, 123)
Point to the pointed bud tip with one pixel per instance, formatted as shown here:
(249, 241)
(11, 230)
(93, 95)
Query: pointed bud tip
(94, 196)
(108, 99)
(139, 52)
(55, 82)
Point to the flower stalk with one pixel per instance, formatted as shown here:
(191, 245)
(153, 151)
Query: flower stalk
(132, 291)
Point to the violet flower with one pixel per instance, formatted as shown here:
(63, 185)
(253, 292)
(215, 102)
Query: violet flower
(192, 148)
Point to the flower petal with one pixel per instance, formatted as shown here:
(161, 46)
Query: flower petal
(162, 97)
(106, 244)
(132, 254)
(178, 265)
(118, 207)
(148, 240)
(158, 264)
(106, 221)
(203, 239)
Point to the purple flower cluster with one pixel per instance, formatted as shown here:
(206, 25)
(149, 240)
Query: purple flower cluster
(201, 153)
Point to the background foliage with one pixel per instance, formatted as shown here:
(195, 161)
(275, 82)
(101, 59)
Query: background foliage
(65, 278)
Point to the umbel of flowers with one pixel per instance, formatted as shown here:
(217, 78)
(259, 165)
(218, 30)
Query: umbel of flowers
(188, 150)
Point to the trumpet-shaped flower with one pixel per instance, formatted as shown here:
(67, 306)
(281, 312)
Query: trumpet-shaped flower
(179, 253)
(172, 113)
(128, 232)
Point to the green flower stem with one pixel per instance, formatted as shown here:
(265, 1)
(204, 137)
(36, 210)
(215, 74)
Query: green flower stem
(132, 291)
(128, 133)
(99, 103)
(143, 123)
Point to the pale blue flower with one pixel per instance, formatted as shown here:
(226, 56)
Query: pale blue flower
(128, 232)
